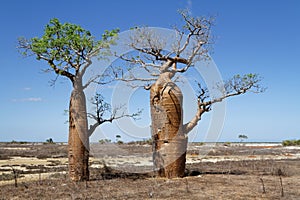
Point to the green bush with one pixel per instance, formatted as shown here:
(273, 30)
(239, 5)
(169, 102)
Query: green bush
(227, 144)
(201, 143)
(141, 142)
(49, 141)
(148, 141)
(291, 143)
(120, 142)
(20, 142)
(104, 141)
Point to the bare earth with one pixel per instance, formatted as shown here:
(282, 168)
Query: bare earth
(125, 172)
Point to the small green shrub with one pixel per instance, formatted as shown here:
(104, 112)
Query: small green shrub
(120, 142)
(20, 142)
(49, 141)
(227, 144)
(104, 141)
(141, 142)
(148, 141)
(291, 143)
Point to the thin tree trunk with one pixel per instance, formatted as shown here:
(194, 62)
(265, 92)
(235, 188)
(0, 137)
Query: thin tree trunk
(78, 137)
(169, 141)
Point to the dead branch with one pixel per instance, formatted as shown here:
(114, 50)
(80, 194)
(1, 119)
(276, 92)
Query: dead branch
(16, 175)
(189, 47)
(104, 113)
(235, 86)
(263, 185)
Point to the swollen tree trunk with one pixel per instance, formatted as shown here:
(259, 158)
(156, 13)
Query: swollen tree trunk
(169, 140)
(78, 136)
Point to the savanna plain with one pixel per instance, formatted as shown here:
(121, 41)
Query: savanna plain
(124, 171)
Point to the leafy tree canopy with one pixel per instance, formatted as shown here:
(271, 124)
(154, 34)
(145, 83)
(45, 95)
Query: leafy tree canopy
(66, 46)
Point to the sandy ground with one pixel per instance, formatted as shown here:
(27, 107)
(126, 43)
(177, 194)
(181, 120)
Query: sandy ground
(248, 171)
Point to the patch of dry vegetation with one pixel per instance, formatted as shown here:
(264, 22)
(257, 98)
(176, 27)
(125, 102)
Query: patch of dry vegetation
(227, 179)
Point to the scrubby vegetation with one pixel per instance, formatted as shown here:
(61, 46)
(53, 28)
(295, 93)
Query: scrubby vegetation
(254, 172)
(18, 142)
(291, 143)
(142, 142)
(104, 141)
(49, 141)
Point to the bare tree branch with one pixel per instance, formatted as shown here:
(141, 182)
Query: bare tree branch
(191, 45)
(104, 113)
(235, 86)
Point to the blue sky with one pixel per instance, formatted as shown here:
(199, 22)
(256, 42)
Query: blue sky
(251, 36)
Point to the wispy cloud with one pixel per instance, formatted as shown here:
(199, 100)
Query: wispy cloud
(30, 99)
(27, 88)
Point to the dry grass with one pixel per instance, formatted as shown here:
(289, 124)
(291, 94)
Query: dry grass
(227, 179)
(202, 187)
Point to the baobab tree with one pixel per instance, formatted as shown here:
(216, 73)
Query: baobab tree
(192, 44)
(68, 49)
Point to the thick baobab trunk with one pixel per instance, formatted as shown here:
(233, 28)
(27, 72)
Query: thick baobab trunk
(78, 137)
(169, 141)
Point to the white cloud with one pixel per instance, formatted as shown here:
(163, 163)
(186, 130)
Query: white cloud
(27, 88)
(33, 99)
(30, 99)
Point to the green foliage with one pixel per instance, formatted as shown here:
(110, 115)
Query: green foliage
(243, 137)
(148, 141)
(66, 46)
(110, 34)
(290, 142)
(18, 142)
(61, 42)
(49, 141)
(120, 142)
(242, 83)
(227, 144)
(141, 142)
(118, 139)
(104, 141)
